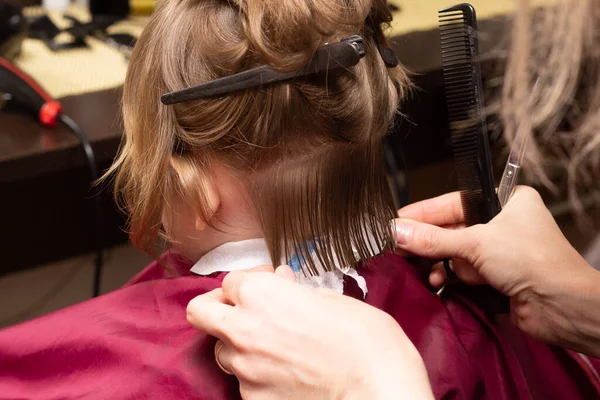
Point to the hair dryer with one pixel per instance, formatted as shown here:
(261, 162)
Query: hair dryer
(28, 94)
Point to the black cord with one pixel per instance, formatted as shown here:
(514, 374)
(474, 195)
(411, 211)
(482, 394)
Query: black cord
(98, 223)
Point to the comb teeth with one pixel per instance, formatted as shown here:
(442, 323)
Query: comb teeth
(457, 62)
(462, 82)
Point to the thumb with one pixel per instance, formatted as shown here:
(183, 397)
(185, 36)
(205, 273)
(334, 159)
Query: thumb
(432, 241)
(262, 268)
(285, 272)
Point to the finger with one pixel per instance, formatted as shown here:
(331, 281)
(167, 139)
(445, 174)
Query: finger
(233, 284)
(224, 357)
(463, 270)
(404, 254)
(466, 272)
(434, 242)
(255, 288)
(525, 193)
(243, 286)
(454, 226)
(437, 277)
(208, 312)
(262, 268)
(442, 210)
(286, 272)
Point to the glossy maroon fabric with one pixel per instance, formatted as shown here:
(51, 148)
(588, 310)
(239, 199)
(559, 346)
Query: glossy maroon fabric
(135, 343)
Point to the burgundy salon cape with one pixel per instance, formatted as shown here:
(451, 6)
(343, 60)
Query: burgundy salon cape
(135, 343)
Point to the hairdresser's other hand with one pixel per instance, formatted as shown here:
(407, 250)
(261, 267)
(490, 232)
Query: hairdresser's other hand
(522, 253)
(286, 341)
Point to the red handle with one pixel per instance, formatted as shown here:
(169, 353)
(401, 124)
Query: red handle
(49, 112)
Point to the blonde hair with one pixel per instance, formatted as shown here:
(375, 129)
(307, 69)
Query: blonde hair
(551, 90)
(311, 149)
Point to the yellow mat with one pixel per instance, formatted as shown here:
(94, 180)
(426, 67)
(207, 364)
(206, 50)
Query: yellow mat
(77, 71)
(101, 67)
(422, 14)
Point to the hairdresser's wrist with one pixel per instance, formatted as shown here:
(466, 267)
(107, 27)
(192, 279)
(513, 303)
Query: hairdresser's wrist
(394, 386)
(564, 310)
(577, 312)
(383, 363)
(397, 373)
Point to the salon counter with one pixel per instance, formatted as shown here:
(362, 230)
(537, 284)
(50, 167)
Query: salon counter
(44, 183)
(28, 150)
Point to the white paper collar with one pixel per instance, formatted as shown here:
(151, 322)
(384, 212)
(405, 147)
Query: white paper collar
(246, 254)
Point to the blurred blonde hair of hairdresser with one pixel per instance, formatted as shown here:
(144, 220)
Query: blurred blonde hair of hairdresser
(554, 66)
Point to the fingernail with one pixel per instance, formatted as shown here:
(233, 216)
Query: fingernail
(404, 233)
(189, 311)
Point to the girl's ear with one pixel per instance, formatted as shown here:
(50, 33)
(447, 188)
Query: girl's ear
(213, 200)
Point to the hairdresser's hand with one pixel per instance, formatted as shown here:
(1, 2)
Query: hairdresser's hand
(286, 341)
(523, 254)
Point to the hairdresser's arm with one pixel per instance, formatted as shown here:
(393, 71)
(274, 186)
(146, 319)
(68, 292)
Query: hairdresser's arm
(286, 341)
(555, 294)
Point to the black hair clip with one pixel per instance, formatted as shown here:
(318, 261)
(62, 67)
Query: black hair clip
(331, 58)
(390, 59)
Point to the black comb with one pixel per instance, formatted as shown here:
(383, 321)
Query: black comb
(464, 100)
(466, 119)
